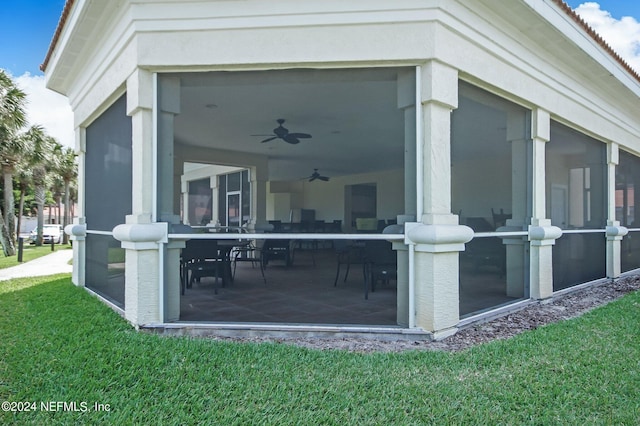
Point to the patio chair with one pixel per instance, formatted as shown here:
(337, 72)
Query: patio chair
(246, 253)
(347, 253)
(381, 264)
(276, 250)
(203, 258)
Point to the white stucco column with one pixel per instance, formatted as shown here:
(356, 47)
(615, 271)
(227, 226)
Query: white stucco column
(139, 236)
(184, 194)
(438, 238)
(259, 176)
(542, 235)
(615, 232)
(215, 205)
(77, 230)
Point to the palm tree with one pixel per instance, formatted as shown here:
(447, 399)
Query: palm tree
(39, 154)
(57, 189)
(24, 182)
(11, 150)
(68, 171)
(12, 118)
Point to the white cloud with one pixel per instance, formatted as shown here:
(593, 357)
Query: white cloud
(623, 35)
(47, 108)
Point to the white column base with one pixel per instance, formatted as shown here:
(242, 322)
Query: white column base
(542, 236)
(615, 233)
(77, 234)
(437, 247)
(142, 241)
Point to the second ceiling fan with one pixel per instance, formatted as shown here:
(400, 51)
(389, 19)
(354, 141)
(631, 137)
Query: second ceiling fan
(281, 132)
(315, 175)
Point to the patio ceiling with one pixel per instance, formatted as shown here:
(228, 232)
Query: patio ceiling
(352, 116)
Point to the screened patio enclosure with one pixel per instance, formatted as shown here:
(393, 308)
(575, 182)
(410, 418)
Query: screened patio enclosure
(223, 168)
(360, 139)
(343, 173)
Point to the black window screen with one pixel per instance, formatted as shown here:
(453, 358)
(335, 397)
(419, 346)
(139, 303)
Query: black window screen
(108, 198)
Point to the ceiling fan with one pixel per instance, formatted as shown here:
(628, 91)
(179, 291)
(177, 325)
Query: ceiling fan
(315, 175)
(281, 132)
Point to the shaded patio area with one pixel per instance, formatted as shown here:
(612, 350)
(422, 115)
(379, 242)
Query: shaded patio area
(304, 294)
(300, 293)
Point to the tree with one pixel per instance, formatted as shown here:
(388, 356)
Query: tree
(39, 155)
(57, 190)
(12, 119)
(68, 171)
(24, 182)
(11, 150)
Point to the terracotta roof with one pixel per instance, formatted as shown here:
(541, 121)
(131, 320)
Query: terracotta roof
(560, 3)
(56, 35)
(594, 35)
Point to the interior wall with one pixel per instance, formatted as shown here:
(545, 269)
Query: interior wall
(327, 198)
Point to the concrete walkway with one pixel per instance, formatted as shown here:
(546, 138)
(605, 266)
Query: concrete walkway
(54, 263)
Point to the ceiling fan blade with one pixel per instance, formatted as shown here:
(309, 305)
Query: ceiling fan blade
(290, 139)
(323, 178)
(312, 178)
(300, 135)
(269, 139)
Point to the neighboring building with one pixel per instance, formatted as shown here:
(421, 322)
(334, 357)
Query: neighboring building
(502, 137)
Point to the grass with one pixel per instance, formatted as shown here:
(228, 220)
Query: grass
(57, 343)
(29, 253)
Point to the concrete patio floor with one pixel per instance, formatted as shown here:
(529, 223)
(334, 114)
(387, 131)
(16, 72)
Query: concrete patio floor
(305, 294)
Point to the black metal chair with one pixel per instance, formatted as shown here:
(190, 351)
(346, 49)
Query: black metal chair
(203, 258)
(347, 253)
(275, 250)
(381, 264)
(246, 253)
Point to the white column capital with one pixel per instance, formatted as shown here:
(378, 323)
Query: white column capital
(541, 125)
(141, 236)
(613, 153)
(544, 235)
(439, 84)
(77, 231)
(139, 91)
(437, 238)
(615, 232)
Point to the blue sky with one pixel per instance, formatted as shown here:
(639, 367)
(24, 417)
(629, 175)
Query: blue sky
(26, 28)
(617, 8)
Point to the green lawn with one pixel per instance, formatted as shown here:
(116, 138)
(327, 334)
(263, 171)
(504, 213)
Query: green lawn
(29, 253)
(58, 343)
